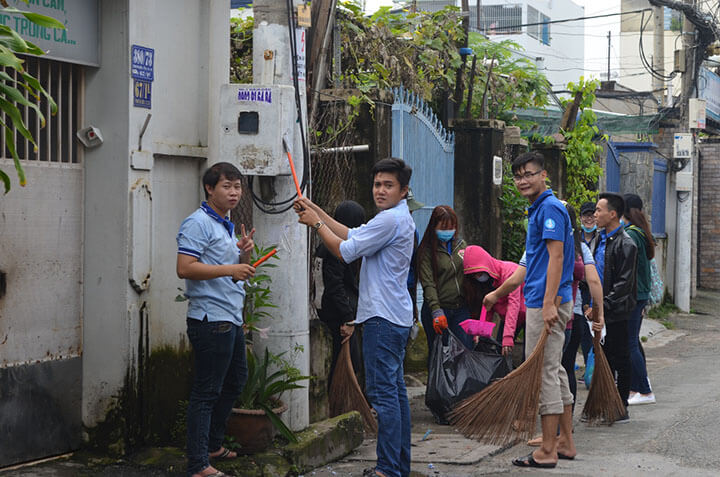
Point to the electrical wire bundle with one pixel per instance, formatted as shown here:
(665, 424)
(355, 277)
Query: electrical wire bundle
(285, 205)
(653, 72)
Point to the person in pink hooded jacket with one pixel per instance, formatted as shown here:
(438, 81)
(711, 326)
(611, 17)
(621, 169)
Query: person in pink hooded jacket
(479, 265)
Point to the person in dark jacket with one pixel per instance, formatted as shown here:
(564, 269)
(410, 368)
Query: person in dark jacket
(615, 259)
(340, 296)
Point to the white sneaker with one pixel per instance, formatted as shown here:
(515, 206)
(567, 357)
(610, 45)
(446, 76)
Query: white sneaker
(642, 399)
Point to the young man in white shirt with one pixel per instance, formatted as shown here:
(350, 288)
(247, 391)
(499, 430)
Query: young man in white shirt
(385, 244)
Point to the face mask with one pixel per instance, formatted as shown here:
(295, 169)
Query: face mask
(589, 230)
(622, 223)
(445, 235)
(482, 277)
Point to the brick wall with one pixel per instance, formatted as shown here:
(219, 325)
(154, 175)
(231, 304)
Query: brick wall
(709, 216)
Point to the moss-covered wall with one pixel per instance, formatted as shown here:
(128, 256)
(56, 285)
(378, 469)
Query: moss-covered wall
(150, 410)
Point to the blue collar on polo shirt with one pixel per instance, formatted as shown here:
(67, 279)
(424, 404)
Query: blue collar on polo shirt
(224, 221)
(608, 235)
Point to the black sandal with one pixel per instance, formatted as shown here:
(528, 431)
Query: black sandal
(529, 461)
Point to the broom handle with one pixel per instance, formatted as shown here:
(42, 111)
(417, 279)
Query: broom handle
(596, 335)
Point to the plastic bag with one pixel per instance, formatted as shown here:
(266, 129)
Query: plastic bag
(457, 373)
(656, 284)
(589, 368)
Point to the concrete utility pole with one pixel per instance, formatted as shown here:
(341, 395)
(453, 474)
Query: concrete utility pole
(289, 327)
(609, 48)
(658, 53)
(684, 223)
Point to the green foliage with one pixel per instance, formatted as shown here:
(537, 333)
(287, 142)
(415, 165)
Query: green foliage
(583, 167)
(264, 387)
(257, 291)
(514, 215)
(12, 92)
(385, 50)
(241, 62)
(515, 82)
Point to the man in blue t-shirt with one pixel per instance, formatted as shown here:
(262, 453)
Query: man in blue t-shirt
(550, 253)
(215, 266)
(385, 245)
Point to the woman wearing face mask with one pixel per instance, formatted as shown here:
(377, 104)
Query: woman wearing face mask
(588, 223)
(480, 266)
(441, 272)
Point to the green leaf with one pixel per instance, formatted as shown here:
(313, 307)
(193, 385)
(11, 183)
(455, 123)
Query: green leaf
(9, 60)
(10, 144)
(279, 424)
(36, 18)
(6, 181)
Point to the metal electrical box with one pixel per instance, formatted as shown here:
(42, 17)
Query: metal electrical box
(254, 118)
(696, 113)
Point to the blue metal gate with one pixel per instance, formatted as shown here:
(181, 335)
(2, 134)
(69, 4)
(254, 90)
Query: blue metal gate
(419, 138)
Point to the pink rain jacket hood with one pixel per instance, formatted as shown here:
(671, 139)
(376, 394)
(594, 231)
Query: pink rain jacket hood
(475, 260)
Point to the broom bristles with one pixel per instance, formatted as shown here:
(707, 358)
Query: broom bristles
(506, 410)
(604, 404)
(345, 392)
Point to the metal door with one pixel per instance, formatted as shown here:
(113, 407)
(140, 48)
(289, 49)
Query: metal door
(41, 231)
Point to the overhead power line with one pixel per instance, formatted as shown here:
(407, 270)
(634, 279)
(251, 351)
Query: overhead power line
(633, 12)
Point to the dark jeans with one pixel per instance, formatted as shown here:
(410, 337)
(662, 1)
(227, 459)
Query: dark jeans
(220, 374)
(573, 337)
(454, 318)
(384, 351)
(639, 380)
(618, 355)
(586, 338)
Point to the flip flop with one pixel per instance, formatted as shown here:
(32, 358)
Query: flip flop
(565, 457)
(224, 455)
(529, 461)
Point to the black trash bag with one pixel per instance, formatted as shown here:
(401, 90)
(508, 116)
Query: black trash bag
(457, 373)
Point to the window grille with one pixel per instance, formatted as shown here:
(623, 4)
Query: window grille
(56, 141)
(539, 32)
(497, 19)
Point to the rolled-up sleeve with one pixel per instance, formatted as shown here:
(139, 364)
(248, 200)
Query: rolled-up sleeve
(367, 239)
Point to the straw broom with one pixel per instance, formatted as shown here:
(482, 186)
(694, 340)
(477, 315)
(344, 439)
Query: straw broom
(506, 410)
(603, 404)
(345, 392)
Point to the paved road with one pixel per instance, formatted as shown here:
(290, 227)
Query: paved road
(678, 436)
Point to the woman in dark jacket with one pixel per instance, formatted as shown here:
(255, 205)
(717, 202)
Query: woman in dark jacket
(340, 280)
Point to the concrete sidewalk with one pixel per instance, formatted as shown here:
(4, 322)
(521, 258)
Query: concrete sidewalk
(439, 450)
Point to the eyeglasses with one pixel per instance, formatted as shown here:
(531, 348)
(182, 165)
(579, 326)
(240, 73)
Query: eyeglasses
(527, 176)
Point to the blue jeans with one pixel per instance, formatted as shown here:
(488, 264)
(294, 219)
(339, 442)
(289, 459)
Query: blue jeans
(639, 379)
(454, 318)
(220, 374)
(383, 352)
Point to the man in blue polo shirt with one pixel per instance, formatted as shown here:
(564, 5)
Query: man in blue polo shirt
(385, 244)
(550, 251)
(214, 265)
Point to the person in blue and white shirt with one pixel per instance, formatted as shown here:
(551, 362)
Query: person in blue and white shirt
(550, 257)
(215, 266)
(385, 309)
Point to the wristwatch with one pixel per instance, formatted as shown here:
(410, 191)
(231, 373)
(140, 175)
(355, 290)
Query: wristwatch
(318, 225)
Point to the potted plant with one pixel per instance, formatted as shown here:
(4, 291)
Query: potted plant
(256, 417)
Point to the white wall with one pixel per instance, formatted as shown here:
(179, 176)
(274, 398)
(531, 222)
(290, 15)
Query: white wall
(187, 37)
(564, 58)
